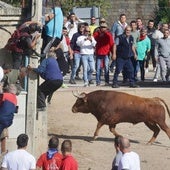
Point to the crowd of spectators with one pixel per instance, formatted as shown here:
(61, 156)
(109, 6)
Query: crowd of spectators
(111, 52)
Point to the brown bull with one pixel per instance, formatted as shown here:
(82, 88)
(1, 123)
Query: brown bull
(111, 108)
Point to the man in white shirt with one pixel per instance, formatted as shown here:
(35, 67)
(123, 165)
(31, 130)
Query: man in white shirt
(87, 43)
(19, 159)
(130, 160)
(72, 24)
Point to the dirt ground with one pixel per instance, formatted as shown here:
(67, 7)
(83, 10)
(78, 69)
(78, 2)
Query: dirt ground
(98, 155)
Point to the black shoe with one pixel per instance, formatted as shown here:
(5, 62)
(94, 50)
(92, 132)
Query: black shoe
(125, 81)
(167, 77)
(134, 86)
(91, 82)
(72, 81)
(41, 109)
(107, 84)
(78, 78)
(115, 86)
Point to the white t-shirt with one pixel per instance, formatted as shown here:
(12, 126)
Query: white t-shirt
(1, 73)
(86, 46)
(129, 161)
(19, 159)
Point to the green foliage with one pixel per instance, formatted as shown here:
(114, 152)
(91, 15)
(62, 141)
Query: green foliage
(13, 2)
(163, 11)
(67, 5)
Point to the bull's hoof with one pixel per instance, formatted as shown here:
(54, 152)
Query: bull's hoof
(95, 137)
(149, 143)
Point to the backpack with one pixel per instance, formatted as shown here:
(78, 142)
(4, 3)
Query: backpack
(15, 42)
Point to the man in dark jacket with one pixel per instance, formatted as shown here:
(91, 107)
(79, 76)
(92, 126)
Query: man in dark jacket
(76, 52)
(123, 50)
(150, 30)
(8, 103)
(48, 70)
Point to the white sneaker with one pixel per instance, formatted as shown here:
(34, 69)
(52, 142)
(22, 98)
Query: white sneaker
(86, 84)
(146, 70)
(155, 80)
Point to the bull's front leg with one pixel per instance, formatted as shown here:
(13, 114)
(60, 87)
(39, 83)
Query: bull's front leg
(112, 129)
(96, 133)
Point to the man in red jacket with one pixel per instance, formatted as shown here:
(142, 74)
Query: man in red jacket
(68, 161)
(104, 46)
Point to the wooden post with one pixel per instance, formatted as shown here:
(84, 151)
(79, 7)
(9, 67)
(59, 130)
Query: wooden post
(36, 122)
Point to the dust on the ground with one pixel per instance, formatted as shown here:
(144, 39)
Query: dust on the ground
(98, 155)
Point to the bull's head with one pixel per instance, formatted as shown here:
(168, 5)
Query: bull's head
(81, 104)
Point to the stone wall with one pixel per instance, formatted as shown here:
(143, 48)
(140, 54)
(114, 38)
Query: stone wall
(9, 18)
(133, 9)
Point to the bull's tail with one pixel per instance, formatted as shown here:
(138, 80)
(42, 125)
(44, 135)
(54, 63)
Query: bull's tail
(159, 99)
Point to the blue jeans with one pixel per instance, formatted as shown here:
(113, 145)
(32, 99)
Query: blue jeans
(88, 67)
(142, 70)
(99, 60)
(77, 59)
(124, 64)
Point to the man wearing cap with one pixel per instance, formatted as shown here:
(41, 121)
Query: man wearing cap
(101, 21)
(104, 46)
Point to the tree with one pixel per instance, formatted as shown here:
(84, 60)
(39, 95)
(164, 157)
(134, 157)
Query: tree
(13, 2)
(67, 5)
(163, 12)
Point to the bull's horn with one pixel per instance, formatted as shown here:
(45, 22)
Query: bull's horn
(78, 95)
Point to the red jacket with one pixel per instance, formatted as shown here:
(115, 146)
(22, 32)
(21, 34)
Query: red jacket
(104, 42)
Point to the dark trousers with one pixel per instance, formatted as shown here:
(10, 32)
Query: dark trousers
(124, 64)
(45, 89)
(142, 69)
(18, 60)
(135, 67)
(151, 54)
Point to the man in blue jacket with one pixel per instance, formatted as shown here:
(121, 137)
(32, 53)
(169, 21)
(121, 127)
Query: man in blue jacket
(8, 103)
(48, 70)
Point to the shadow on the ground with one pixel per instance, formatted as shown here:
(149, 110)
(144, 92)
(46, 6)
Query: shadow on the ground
(148, 83)
(89, 138)
(104, 139)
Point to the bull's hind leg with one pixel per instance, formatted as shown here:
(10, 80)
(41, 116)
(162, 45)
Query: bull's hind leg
(155, 129)
(112, 129)
(96, 133)
(165, 128)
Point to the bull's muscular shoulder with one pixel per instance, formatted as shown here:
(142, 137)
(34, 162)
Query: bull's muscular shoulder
(102, 99)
